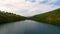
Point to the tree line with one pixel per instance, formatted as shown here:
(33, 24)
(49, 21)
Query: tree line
(6, 17)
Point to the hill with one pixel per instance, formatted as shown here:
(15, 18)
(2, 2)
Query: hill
(6, 17)
(52, 17)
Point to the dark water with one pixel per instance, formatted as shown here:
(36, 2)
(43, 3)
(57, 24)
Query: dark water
(29, 27)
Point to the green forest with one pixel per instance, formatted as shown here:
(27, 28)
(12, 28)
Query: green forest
(6, 17)
(52, 17)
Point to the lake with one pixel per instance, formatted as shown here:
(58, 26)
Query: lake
(29, 27)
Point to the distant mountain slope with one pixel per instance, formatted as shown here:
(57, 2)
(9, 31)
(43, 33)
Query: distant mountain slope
(6, 17)
(52, 17)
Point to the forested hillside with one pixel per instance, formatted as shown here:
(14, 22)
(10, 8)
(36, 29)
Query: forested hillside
(52, 17)
(6, 17)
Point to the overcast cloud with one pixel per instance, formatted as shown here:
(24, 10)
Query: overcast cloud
(29, 7)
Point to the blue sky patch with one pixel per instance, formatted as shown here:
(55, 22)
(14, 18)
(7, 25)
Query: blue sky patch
(57, 3)
(31, 0)
(44, 2)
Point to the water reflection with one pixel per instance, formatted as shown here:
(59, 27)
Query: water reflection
(29, 27)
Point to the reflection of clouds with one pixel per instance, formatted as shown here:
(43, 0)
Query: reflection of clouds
(17, 27)
(29, 26)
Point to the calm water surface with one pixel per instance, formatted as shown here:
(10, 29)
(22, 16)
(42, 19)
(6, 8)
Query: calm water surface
(29, 27)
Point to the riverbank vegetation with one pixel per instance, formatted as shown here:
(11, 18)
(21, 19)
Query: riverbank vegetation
(6, 17)
(52, 17)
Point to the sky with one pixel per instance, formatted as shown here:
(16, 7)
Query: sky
(29, 7)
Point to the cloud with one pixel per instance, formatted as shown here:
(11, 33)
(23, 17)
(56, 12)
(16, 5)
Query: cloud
(28, 7)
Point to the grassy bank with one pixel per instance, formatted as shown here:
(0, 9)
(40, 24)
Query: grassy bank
(6, 17)
(52, 17)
